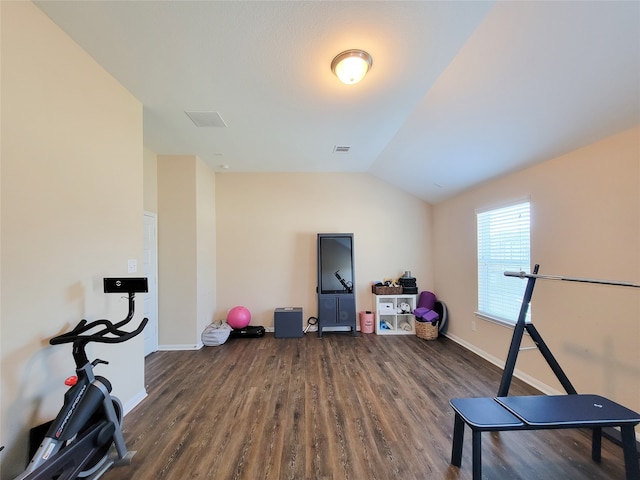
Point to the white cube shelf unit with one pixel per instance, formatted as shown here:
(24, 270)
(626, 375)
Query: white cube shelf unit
(390, 320)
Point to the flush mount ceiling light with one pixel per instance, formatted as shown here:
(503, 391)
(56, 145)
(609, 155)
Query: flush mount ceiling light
(351, 66)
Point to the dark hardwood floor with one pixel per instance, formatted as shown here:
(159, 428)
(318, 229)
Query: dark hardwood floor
(336, 407)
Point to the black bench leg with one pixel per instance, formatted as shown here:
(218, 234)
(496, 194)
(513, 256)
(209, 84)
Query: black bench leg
(596, 444)
(477, 454)
(630, 453)
(458, 439)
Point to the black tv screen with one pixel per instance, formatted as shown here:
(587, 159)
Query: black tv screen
(336, 263)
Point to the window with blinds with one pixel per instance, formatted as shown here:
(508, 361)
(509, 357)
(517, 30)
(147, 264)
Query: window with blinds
(503, 245)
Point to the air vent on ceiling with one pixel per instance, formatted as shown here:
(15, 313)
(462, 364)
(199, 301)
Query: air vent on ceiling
(341, 148)
(206, 119)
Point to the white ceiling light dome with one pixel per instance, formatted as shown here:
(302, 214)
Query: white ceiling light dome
(351, 66)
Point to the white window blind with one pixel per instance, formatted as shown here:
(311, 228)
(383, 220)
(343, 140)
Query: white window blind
(503, 245)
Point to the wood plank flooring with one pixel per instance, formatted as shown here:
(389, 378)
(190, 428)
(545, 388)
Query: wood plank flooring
(333, 408)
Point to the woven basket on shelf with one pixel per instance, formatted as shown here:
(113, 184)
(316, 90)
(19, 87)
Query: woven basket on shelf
(379, 290)
(427, 330)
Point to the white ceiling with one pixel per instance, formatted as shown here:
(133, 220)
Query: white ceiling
(459, 92)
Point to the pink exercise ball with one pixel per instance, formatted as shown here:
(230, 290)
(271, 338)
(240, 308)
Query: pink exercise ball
(238, 317)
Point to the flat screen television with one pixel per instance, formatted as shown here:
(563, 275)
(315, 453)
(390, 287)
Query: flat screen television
(335, 261)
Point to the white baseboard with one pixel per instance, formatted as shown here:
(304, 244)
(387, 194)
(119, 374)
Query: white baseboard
(177, 347)
(528, 379)
(135, 401)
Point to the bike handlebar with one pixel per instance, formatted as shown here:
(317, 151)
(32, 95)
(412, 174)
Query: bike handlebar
(100, 336)
(80, 339)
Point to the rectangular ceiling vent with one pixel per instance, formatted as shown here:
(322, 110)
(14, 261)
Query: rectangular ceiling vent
(206, 119)
(341, 148)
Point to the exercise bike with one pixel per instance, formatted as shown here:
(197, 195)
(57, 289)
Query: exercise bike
(78, 442)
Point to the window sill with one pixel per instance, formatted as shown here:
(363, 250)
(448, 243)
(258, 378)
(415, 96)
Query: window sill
(498, 321)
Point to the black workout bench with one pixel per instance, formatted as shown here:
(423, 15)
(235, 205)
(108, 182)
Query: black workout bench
(542, 412)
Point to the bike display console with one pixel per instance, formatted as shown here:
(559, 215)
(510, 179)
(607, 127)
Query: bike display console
(126, 285)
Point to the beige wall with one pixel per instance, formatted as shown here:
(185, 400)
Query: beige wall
(585, 223)
(150, 187)
(71, 197)
(266, 237)
(186, 250)
(206, 245)
(176, 251)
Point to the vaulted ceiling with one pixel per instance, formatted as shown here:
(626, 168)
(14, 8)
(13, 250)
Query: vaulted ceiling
(459, 92)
